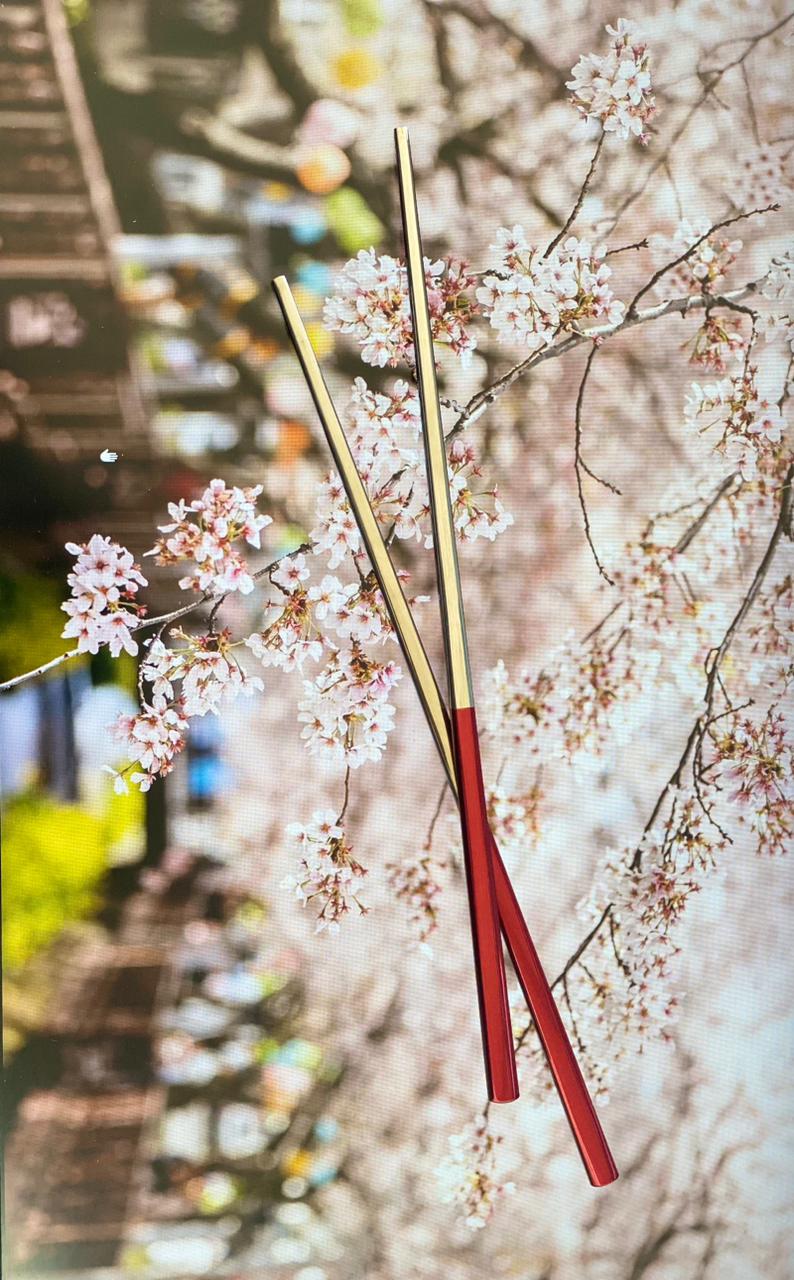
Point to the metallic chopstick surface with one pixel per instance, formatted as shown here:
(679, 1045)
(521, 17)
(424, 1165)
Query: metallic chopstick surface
(495, 1021)
(564, 1068)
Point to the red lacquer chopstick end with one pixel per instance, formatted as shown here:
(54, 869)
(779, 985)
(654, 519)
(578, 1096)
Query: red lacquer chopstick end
(501, 1075)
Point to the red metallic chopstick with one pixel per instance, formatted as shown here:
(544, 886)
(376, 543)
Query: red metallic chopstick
(495, 1019)
(567, 1076)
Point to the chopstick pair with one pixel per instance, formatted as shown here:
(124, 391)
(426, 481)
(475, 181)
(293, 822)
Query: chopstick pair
(493, 903)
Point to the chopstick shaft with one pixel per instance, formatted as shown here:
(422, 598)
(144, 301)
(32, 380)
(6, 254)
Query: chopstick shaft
(564, 1068)
(495, 1020)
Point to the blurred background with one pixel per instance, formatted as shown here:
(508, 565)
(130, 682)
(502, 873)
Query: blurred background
(195, 1084)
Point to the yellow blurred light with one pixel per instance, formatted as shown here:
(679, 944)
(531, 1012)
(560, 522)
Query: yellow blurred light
(309, 303)
(276, 190)
(297, 1164)
(356, 69)
(321, 340)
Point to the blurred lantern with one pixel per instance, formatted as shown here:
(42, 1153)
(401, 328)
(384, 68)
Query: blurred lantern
(330, 121)
(301, 1053)
(239, 987)
(326, 1129)
(193, 434)
(320, 339)
(285, 391)
(276, 191)
(190, 180)
(297, 1164)
(322, 168)
(362, 17)
(357, 69)
(308, 303)
(314, 276)
(213, 1192)
(294, 439)
(308, 226)
(241, 1132)
(284, 1086)
(183, 1255)
(352, 221)
(322, 1172)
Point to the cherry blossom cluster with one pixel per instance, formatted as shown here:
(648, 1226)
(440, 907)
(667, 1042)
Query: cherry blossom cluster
(291, 637)
(748, 425)
(345, 710)
(371, 303)
(205, 531)
(508, 820)
(717, 343)
(648, 574)
(574, 704)
(329, 876)
(335, 532)
(530, 297)
(386, 443)
(623, 996)
(705, 267)
(755, 757)
(413, 882)
(102, 608)
(470, 1176)
(771, 637)
(647, 904)
(206, 668)
(616, 89)
(151, 739)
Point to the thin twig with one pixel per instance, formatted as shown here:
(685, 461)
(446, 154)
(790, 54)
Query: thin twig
(482, 400)
(573, 215)
(579, 466)
(670, 266)
(709, 80)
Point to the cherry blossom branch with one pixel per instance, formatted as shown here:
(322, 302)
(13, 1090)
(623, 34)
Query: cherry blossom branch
(670, 266)
(701, 725)
(580, 466)
(624, 248)
(161, 621)
(573, 215)
(482, 400)
(710, 80)
(689, 535)
(717, 656)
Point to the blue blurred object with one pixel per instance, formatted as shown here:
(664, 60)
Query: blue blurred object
(308, 226)
(326, 1129)
(207, 773)
(315, 276)
(205, 777)
(205, 732)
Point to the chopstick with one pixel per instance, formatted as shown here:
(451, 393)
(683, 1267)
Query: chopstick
(572, 1090)
(495, 1020)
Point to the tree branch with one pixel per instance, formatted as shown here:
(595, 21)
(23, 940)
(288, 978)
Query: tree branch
(483, 400)
(573, 215)
(161, 621)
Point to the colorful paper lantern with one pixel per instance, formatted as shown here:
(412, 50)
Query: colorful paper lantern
(357, 69)
(322, 168)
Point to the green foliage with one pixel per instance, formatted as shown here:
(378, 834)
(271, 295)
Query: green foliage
(362, 18)
(77, 11)
(352, 221)
(32, 623)
(54, 859)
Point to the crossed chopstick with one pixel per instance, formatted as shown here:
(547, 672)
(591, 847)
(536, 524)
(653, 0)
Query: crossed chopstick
(493, 905)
